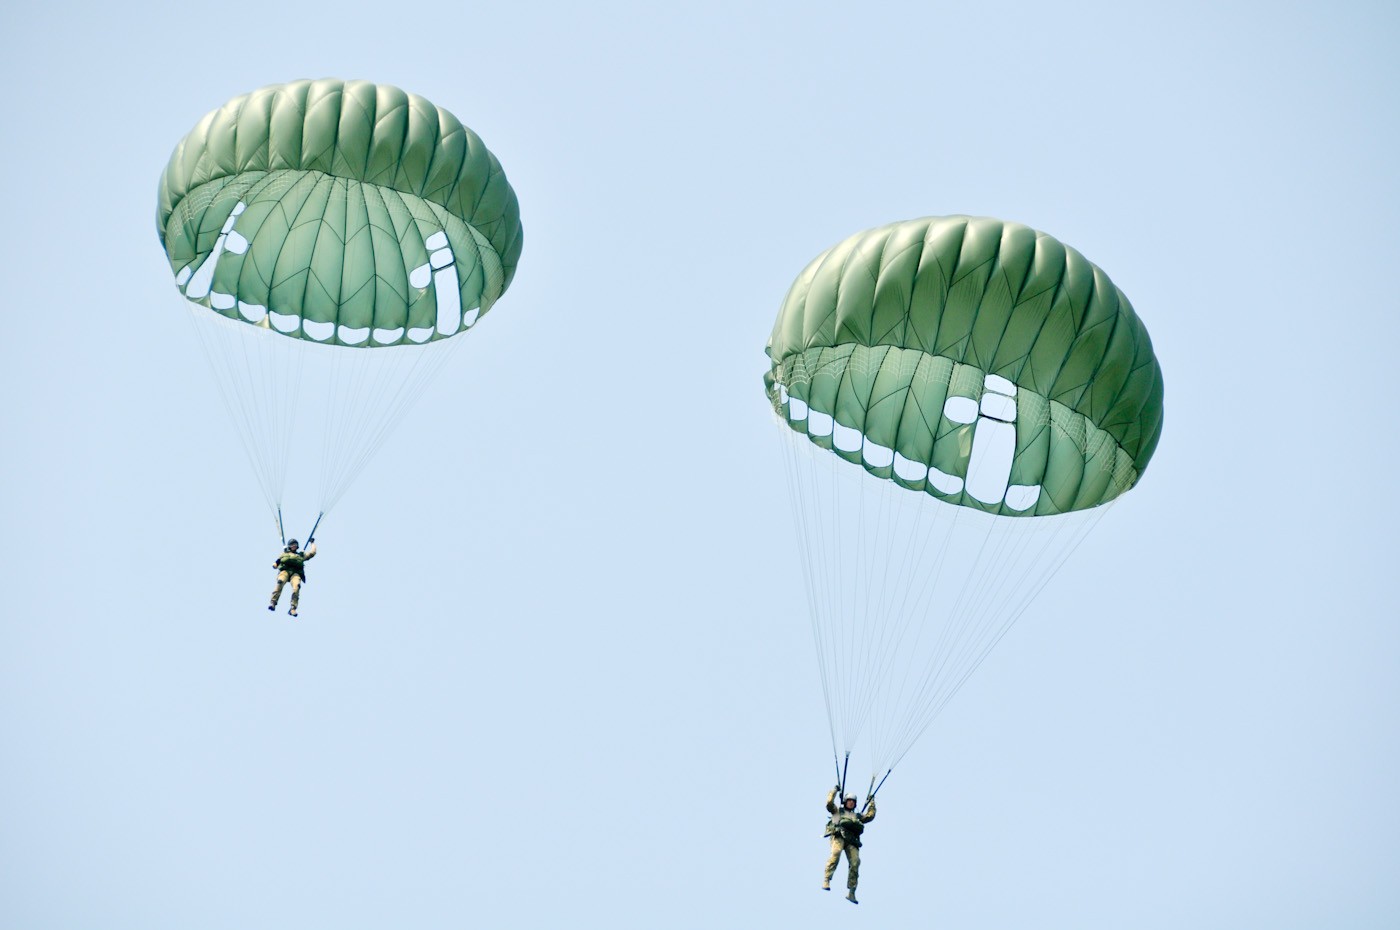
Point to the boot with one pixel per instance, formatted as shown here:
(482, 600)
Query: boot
(826, 885)
(851, 896)
(293, 612)
(271, 606)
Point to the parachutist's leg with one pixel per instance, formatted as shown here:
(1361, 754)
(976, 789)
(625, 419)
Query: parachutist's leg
(832, 860)
(296, 593)
(277, 589)
(852, 869)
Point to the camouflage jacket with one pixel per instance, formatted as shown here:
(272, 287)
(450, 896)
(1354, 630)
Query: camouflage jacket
(294, 563)
(848, 825)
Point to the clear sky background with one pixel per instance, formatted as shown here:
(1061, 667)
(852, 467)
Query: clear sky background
(570, 688)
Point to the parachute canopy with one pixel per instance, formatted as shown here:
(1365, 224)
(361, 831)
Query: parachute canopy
(329, 237)
(343, 212)
(994, 388)
(893, 347)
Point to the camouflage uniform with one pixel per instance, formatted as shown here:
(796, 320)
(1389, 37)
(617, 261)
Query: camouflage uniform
(845, 828)
(290, 567)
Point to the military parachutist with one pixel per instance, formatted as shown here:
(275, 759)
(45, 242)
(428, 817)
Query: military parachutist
(291, 567)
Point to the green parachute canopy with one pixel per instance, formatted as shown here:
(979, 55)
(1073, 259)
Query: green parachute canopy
(328, 238)
(981, 361)
(979, 373)
(344, 212)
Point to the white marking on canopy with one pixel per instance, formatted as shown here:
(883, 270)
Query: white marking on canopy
(449, 300)
(908, 469)
(318, 331)
(1021, 497)
(944, 482)
(353, 336)
(960, 409)
(876, 455)
(284, 322)
(999, 407)
(847, 439)
(1000, 385)
(989, 467)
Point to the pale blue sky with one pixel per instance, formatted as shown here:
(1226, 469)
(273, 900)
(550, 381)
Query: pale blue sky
(576, 691)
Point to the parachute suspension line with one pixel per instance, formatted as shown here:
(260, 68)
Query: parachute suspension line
(312, 535)
(884, 623)
(818, 542)
(860, 615)
(951, 626)
(846, 626)
(903, 617)
(282, 367)
(425, 370)
(912, 611)
(952, 633)
(260, 376)
(849, 543)
(828, 528)
(837, 634)
(952, 623)
(367, 402)
(907, 594)
(873, 620)
(1080, 529)
(280, 531)
(253, 375)
(800, 525)
(241, 423)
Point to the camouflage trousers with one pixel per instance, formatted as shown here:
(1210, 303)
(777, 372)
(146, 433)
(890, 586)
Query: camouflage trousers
(852, 862)
(282, 579)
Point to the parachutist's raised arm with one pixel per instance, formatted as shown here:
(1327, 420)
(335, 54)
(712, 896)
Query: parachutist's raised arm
(868, 814)
(310, 552)
(831, 799)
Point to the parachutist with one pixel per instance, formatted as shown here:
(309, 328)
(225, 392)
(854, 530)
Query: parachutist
(281, 191)
(291, 566)
(845, 827)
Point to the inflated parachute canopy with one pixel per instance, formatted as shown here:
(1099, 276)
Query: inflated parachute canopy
(343, 212)
(980, 361)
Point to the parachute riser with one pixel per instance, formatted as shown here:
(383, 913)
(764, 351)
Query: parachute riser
(875, 789)
(310, 537)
